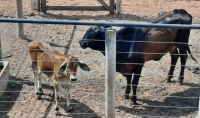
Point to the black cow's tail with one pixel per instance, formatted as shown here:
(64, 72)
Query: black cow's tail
(188, 50)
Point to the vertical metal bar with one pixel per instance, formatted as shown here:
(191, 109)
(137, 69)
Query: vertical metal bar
(20, 27)
(0, 48)
(118, 7)
(110, 51)
(112, 8)
(39, 5)
(70, 40)
(43, 6)
(35, 5)
(198, 114)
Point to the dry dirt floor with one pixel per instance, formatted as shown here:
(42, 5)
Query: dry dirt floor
(156, 98)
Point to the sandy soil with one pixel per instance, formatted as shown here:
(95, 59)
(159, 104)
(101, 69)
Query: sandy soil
(87, 95)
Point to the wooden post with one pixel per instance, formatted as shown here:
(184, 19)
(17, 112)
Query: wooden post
(20, 27)
(43, 6)
(110, 51)
(35, 5)
(70, 40)
(118, 7)
(112, 2)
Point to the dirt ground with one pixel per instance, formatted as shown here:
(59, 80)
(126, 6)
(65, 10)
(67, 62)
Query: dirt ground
(156, 98)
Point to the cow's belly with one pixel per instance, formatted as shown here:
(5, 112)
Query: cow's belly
(157, 52)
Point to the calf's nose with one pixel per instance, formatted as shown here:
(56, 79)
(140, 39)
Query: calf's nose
(73, 79)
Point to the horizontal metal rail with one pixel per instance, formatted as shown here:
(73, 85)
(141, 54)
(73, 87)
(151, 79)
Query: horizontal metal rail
(100, 23)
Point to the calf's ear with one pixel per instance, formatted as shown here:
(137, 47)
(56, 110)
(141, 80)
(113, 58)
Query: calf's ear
(62, 69)
(83, 66)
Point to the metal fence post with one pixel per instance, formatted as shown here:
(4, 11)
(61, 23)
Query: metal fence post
(43, 6)
(118, 7)
(0, 48)
(112, 6)
(20, 27)
(35, 5)
(110, 51)
(198, 114)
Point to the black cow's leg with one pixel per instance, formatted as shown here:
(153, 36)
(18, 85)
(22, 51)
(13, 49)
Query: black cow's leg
(135, 81)
(174, 58)
(183, 56)
(128, 86)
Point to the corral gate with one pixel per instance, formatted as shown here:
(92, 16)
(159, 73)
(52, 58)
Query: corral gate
(40, 5)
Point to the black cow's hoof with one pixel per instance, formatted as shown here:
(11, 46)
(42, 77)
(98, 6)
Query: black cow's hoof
(180, 83)
(133, 103)
(167, 80)
(70, 109)
(126, 96)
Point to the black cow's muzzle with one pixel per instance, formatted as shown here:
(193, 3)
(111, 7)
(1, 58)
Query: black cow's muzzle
(83, 43)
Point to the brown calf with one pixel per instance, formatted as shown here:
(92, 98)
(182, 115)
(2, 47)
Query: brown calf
(61, 67)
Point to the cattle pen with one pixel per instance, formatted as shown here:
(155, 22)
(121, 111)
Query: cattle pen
(110, 78)
(89, 96)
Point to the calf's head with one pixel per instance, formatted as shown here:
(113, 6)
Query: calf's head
(69, 68)
(94, 38)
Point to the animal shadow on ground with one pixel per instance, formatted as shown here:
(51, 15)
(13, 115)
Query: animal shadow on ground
(51, 44)
(107, 17)
(185, 103)
(9, 96)
(80, 110)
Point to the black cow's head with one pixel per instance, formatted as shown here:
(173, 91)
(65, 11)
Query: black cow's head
(94, 38)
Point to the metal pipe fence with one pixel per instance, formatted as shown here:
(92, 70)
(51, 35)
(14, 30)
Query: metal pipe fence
(102, 74)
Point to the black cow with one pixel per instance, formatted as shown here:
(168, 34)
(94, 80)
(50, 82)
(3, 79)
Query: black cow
(135, 46)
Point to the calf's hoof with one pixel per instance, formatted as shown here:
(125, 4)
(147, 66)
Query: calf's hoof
(57, 113)
(41, 91)
(38, 97)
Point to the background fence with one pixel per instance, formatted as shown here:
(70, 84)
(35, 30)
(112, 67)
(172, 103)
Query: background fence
(41, 5)
(158, 99)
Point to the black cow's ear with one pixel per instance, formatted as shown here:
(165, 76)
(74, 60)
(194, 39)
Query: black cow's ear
(95, 28)
(107, 26)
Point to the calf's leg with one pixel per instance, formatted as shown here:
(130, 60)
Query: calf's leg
(39, 83)
(57, 96)
(35, 76)
(67, 95)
